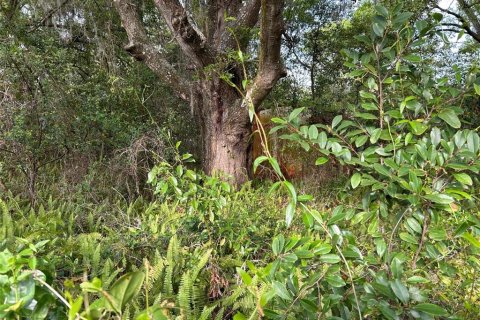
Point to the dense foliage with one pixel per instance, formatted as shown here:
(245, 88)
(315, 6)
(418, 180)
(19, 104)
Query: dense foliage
(103, 215)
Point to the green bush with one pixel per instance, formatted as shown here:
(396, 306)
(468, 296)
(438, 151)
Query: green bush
(412, 223)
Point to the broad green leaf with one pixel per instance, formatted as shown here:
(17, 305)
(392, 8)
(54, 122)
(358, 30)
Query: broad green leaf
(321, 160)
(381, 10)
(463, 178)
(401, 18)
(418, 128)
(355, 180)
(431, 309)
(413, 223)
(470, 238)
(450, 117)
(281, 290)
(408, 238)
(322, 249)
(417, 279)
(294, 114)
(290, 213)
(245, 276)
(335, 281)
(412, 58)
(330, 258)
(258, 161)
(277, 244)
(313, 132)
(439, 198)
(291, 191)
(477, 88)
(400, 290)
(276, 167)
(336, 120)
(127, 287)
(381, 246)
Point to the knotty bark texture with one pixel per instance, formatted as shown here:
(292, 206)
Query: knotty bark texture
(205, 37)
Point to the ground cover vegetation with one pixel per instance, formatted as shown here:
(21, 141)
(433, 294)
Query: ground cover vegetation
(104, 214)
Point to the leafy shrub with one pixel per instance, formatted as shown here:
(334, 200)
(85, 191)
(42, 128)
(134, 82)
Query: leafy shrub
(414, 175)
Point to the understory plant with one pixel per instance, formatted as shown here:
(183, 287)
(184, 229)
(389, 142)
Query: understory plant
(409, 224)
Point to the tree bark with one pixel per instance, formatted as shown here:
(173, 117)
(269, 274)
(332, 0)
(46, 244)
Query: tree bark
(225, 129)
(223, 111)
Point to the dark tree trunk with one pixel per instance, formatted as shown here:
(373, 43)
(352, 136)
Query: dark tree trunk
(225, 128)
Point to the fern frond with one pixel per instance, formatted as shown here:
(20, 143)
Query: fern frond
(185, 294)
(201, 264)
(207, 312)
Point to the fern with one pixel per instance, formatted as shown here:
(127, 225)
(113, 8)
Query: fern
(207, 312)
(185, 294)
(7, 226)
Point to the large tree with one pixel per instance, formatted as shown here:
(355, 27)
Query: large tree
(207, 33)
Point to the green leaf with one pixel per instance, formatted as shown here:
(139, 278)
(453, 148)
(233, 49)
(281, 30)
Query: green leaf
(5, 257)
(313, 132)
(239, 316)
(413, 223)
(381, 169)
(336, 120)
(381, 246)
(408, 238)
(400, 290)
(417, 279)
(431, 309)
(335, 281)
(322, 249)
(330, 258)
(450, 117)
(401, 18)
(463, 178)
(439, 198)
(355, 180)
(276, 167)
(321, 160)
(477, 88)
(290, 213)
(291, 190)
(418, 128)
(412, 58)
(294, 114)
(381, 10)
(277, 244)
(378, 29)
(245, 276)
(281, 290)
(127, 287)
(470, 238)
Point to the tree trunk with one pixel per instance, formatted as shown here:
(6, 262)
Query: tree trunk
(222, 111)
(226, 130)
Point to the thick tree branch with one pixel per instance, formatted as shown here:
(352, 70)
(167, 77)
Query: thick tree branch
(248, 15)
(142, 49)
(188, 36)
(271, 67)
(246, 18)
(464, 24)
(464, 6)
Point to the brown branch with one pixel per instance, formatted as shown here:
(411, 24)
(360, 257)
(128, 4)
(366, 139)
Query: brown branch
(44, 20)
(470, 14)
(141, 48)
(249, 14)
(192, 42)
(464, 23)
(246, 18)
(271, 67)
